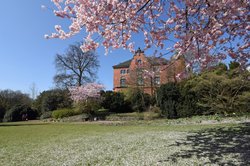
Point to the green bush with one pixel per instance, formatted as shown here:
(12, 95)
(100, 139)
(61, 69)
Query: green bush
(151, 115)
(139, 100)
(16, 113)
(233, 65)
(46, 115)
(168, 99)
(89, 107)
(103, 110)
(2, 112)
(52, 100)
(188, 101)
(222, 94)
(154, 109)
(100, 114)
(115, 102)
(10, 99)
(65, 112)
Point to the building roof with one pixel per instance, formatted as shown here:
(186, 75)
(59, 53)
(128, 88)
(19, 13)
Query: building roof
(125, 64)
(152, 60)
(157, 61)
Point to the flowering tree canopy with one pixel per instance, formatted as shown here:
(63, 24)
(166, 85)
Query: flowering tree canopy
(208, 29)
(81, 93)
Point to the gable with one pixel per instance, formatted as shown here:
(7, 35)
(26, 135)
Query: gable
(125, 64)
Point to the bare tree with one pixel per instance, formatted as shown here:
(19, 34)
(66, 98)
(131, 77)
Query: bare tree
(75, 67)
(33, 91)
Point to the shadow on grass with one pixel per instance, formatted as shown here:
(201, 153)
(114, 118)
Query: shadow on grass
(214, 144)
(9, 124)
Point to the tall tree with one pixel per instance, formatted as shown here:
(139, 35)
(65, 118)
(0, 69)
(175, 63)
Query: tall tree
(75, 67)
(208, 29)
(10, 99)
(33, 91)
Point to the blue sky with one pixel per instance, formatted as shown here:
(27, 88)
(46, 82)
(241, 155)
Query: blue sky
(27, 58)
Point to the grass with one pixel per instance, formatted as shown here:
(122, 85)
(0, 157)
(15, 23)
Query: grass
(36, 143)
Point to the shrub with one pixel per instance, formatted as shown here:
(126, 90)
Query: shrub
(16, 113)
(89, 107)
(222, 94)
(149, 115)
(65, 112)
(234, 65)
(188, 102)
(2, 112)
(10, 99)
(139, 100)
(52, 100)
(103, 110)
(154, 109)
(168, 98)
(46, 115)
(115, 102)
(101, 114)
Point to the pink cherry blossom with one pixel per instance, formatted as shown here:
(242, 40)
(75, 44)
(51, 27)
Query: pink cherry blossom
(208, 28)
(81, 93)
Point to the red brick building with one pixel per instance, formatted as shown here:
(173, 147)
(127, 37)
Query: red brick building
(145, 72)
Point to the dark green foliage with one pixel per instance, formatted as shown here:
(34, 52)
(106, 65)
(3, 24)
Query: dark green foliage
(234, 65)
(225, 93)
(243, 102)
(187, 105)
(9, 98)
(53, 99)
(2, 112)
(20, 112)
(89, 106)
(220, 68)
(140, 101)
(115, 102)
(14, 102)
(217, 91)
(168, 96)
(101, 114)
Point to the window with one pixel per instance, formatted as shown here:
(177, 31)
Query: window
(156, 68)
(122, 82)
(140, 81)
(157, 81)
(123, 71)
(139, 61)
(139, 71)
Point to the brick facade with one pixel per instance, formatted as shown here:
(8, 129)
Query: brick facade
(146, 73)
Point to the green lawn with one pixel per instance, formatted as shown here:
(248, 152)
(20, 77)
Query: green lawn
(68, 144)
